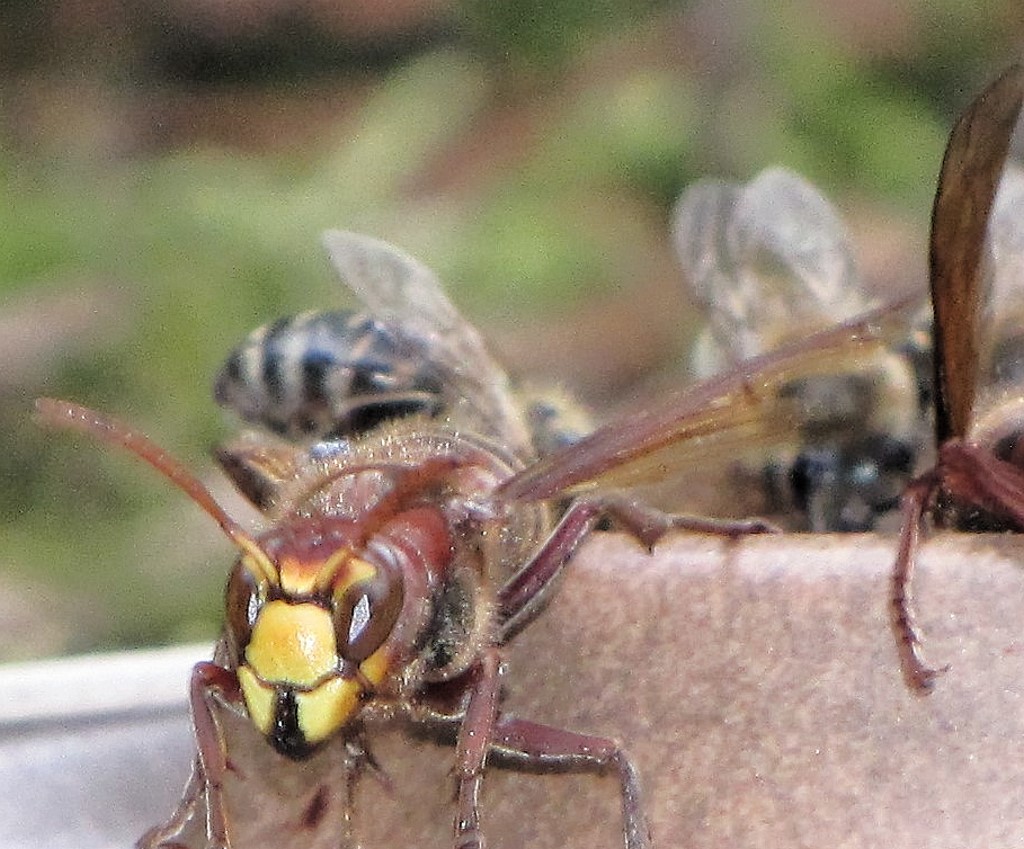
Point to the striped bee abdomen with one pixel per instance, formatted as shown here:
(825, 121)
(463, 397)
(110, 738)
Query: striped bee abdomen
(328, 374)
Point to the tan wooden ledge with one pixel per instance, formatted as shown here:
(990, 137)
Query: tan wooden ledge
(755, 684)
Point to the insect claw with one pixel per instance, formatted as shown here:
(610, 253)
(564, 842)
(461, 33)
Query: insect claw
(919, 675)
(921, 678)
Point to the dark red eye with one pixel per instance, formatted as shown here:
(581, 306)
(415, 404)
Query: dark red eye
(365, 613)
(242, 601)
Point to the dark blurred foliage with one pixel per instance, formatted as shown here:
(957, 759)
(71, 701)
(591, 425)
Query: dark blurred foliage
(531, 39)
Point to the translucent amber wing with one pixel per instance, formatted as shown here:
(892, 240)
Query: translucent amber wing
(968, 179)
(722, 417)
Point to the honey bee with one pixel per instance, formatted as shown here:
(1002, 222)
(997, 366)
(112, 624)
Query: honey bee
(398, 563)
(977, 290)
(335, 374)
(320, 375)
(325, 374)
(770, 262)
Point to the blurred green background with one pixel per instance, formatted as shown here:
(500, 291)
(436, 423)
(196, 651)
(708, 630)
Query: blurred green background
(166, 175)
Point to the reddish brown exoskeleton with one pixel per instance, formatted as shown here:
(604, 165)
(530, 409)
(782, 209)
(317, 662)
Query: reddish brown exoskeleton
(399, 562)
(977, 291)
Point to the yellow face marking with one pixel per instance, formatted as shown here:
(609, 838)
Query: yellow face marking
(327, 708)
(358, 570)
(259, 699)
(303, 577)
(292, 644)
(376, 666)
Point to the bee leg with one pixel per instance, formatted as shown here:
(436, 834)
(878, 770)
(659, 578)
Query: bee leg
(208, 681)
(161, 836)
(523, 592)
(209, 767)
(541, 746)
(973, 476)
(474, 740)
(919, 675)
(648, 524)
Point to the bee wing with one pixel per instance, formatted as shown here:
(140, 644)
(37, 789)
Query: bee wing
(395, 287)
(768, 262)
(970, 172)
(720, 418)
